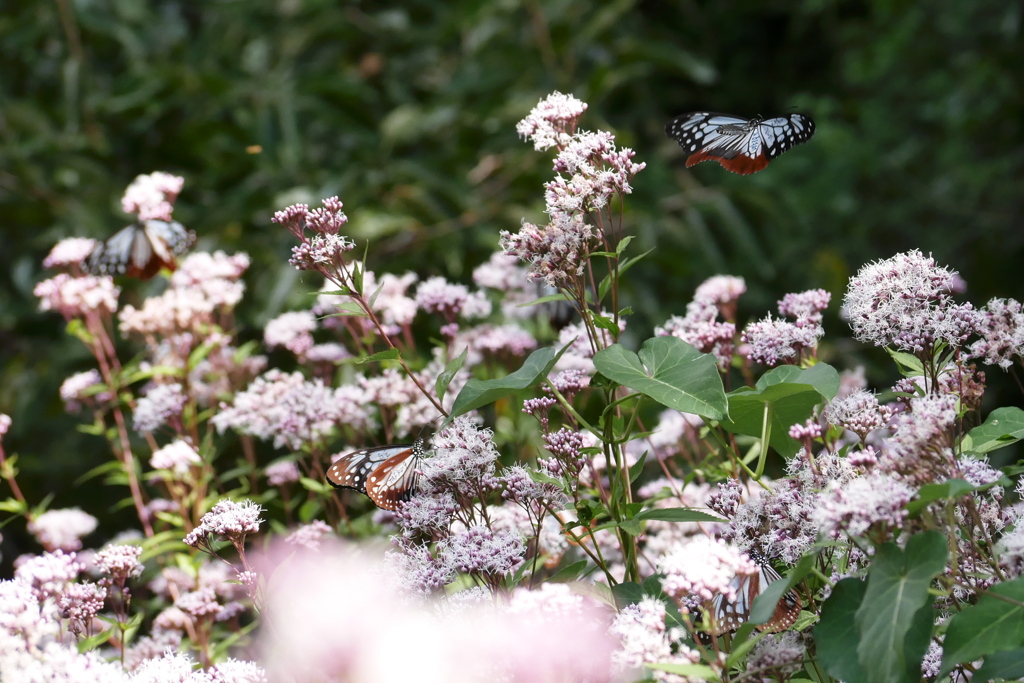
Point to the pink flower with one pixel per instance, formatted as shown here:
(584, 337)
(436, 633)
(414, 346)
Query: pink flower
(644, 639)
(173, 312)
(293, 411)
(904, 302)
(121, 562)
(336, 618)
(700, 329)
(310, 535)
(84, 387)
(449, 300)
(160, 406)
(805, 307)
(293, 331)
(49, 573)
(233, 521)
(62, 529)
(852, 509)
(179, 457)
(704, 568)
(1002, 333)
(552, 121)
(216, 276)
(152, 196)
(720, 290)
(858, 411)
(282, 472)
(70, 251)
(774, 341)
(74, 297)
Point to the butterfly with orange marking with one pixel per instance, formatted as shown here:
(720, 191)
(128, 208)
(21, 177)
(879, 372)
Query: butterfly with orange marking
(728, 615)
(389, 475)
(739, 145)
(141, 250)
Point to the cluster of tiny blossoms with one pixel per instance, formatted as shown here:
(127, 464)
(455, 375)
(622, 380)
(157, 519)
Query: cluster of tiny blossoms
(772, 342)
(905, 302)
(700, 327)
(591, 170)
(325, 250)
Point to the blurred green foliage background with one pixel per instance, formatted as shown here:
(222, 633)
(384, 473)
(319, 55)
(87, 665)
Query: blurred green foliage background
(407, 111)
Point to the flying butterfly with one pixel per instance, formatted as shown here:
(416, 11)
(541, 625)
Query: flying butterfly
(729, 616)
(740, 145)
(387, 474)
(141, 249)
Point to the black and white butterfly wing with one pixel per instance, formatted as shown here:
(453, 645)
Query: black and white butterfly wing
(387, 474)
(739, 145)
(779, 134)
(141, 249)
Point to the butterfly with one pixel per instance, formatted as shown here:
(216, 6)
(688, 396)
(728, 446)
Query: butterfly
(387, 474)
(729, 616)
(141, 249)
(740, 145)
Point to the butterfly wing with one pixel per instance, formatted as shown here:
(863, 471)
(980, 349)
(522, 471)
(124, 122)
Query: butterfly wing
(394, 481)
(141, 249)
(781, 133)
(387, 474)
(730, 615)
(739, 145)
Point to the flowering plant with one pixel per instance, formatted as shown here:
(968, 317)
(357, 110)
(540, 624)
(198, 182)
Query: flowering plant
(619, 514)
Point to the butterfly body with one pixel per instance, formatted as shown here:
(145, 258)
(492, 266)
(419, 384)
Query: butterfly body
(141, 249)
(730, 615)
(387, 474)
(739, 145)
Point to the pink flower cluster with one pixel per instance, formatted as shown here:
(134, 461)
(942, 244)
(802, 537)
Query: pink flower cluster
(292, 410)
(904, 302)
(152, 196)
(590, 171)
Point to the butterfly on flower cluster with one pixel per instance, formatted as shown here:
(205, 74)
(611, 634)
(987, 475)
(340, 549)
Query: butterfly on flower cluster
(728, 615)
(141, 249)
(387, 474)
(740, 145)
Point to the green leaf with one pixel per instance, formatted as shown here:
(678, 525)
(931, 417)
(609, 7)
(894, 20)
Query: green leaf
(545, 299)
(93, 642)
(570, 573)
(445, 378)
(791, 394)
(837, 635)
(315, 486)
(763, 608)
(697, 671)
(478, 393)
(947, 490)
(888, 618)
(627, 593)
(605, 323)
(1003, 427)
(389, 354)
(344, 291)
(1006, 665)
(992, 625)
(671, 372)
(677, 515)
(637, 468)
(345, 309)
(630, 526)
(909, 364)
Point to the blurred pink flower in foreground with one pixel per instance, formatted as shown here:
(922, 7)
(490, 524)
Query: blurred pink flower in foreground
(332, 615)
